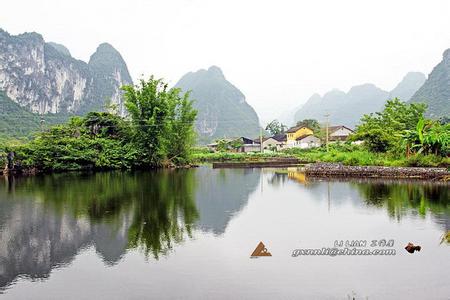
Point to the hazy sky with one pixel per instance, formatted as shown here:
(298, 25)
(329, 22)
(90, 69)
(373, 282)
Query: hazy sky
(277, 53)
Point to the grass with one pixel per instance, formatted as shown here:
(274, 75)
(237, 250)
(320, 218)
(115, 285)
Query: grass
(363, 157)
(204, 155)
(351, 155)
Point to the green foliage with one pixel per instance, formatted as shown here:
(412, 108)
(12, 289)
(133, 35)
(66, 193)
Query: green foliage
(160, 132)
(429, 137)
(17, 125)
(162, 121)
(312, 124)
(276, 127)
(355, 155)
(382, 131)
(204, 156)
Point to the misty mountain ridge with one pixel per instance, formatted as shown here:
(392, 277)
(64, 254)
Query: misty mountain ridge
(435, 92)
(348, 108)
(222, 108)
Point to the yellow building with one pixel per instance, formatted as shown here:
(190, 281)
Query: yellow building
(295, 132)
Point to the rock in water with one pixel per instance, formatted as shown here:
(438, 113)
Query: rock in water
(411, 248)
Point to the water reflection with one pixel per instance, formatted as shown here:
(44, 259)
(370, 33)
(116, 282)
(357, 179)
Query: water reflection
(45, 221)
(398, 197)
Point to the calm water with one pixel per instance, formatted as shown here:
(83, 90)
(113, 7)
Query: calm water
(189, 234)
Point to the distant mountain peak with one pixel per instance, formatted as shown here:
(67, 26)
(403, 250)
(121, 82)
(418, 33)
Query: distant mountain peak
(51, 81)
(60, 48)
(410, 83)
(222, 109)
(107, 47)
(343, 108)
(435, 92)
(215, 70)
(446, 55)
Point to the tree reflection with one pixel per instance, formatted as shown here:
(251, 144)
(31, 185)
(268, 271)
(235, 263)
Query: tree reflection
(399, 197)
(160, 204)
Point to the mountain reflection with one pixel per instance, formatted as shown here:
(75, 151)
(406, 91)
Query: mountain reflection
(46, 220)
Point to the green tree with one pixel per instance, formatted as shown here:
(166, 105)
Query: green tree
(312, 124)
(429, 137)
(162, 120)
(276, 127)
(382, 131)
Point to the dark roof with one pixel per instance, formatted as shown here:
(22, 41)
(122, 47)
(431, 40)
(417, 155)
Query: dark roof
(295, 128)
(302, 137)
(280, 137)
(247, 140)
(336, 128)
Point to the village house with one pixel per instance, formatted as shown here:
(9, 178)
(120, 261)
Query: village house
(273, 143)
(339, 133)
(246, 145)
(293, 133)
(301, 137)
(249, 145)
(307, 141)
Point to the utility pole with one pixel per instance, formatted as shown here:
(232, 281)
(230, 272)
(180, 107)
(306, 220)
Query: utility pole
(327, 125)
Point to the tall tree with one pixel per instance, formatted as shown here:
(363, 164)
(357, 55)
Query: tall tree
(312, 124)
(383, 130)
(276, 127)
(162, 121)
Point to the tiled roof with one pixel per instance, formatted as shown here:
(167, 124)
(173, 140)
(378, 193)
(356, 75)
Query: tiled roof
(295, 129)
(302, 137)
(332, 129)
(280, 137)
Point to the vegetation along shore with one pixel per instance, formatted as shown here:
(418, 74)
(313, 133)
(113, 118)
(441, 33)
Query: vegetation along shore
(159, 132)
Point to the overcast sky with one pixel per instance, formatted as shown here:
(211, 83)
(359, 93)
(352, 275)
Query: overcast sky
(277, 53)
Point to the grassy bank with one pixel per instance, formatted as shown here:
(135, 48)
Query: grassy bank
(201, 155)
(359, 156)
(351, 155)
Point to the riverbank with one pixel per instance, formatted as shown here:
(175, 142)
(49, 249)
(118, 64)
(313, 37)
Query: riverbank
(272, 162)
(349, 155)
(339, 170)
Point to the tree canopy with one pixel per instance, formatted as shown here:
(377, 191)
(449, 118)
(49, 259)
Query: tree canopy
(158, 131)
(275, 127)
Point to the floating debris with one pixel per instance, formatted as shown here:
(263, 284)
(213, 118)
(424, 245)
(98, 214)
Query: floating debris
(446, 237)
(411, 248)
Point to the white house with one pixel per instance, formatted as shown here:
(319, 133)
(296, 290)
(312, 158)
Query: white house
(339, 133)
(272, 144)
(306, 141)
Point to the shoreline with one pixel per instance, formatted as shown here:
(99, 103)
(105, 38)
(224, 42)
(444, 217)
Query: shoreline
(337, 170)
(313, 170)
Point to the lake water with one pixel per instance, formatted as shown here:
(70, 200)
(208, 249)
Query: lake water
(188, 234)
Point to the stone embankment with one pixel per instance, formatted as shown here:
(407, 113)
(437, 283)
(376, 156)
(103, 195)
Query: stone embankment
(339, 170)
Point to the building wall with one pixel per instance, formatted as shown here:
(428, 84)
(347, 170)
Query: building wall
(250, 148)
(341, 132)
(302, 131)
(270, 143)
(308, 142)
